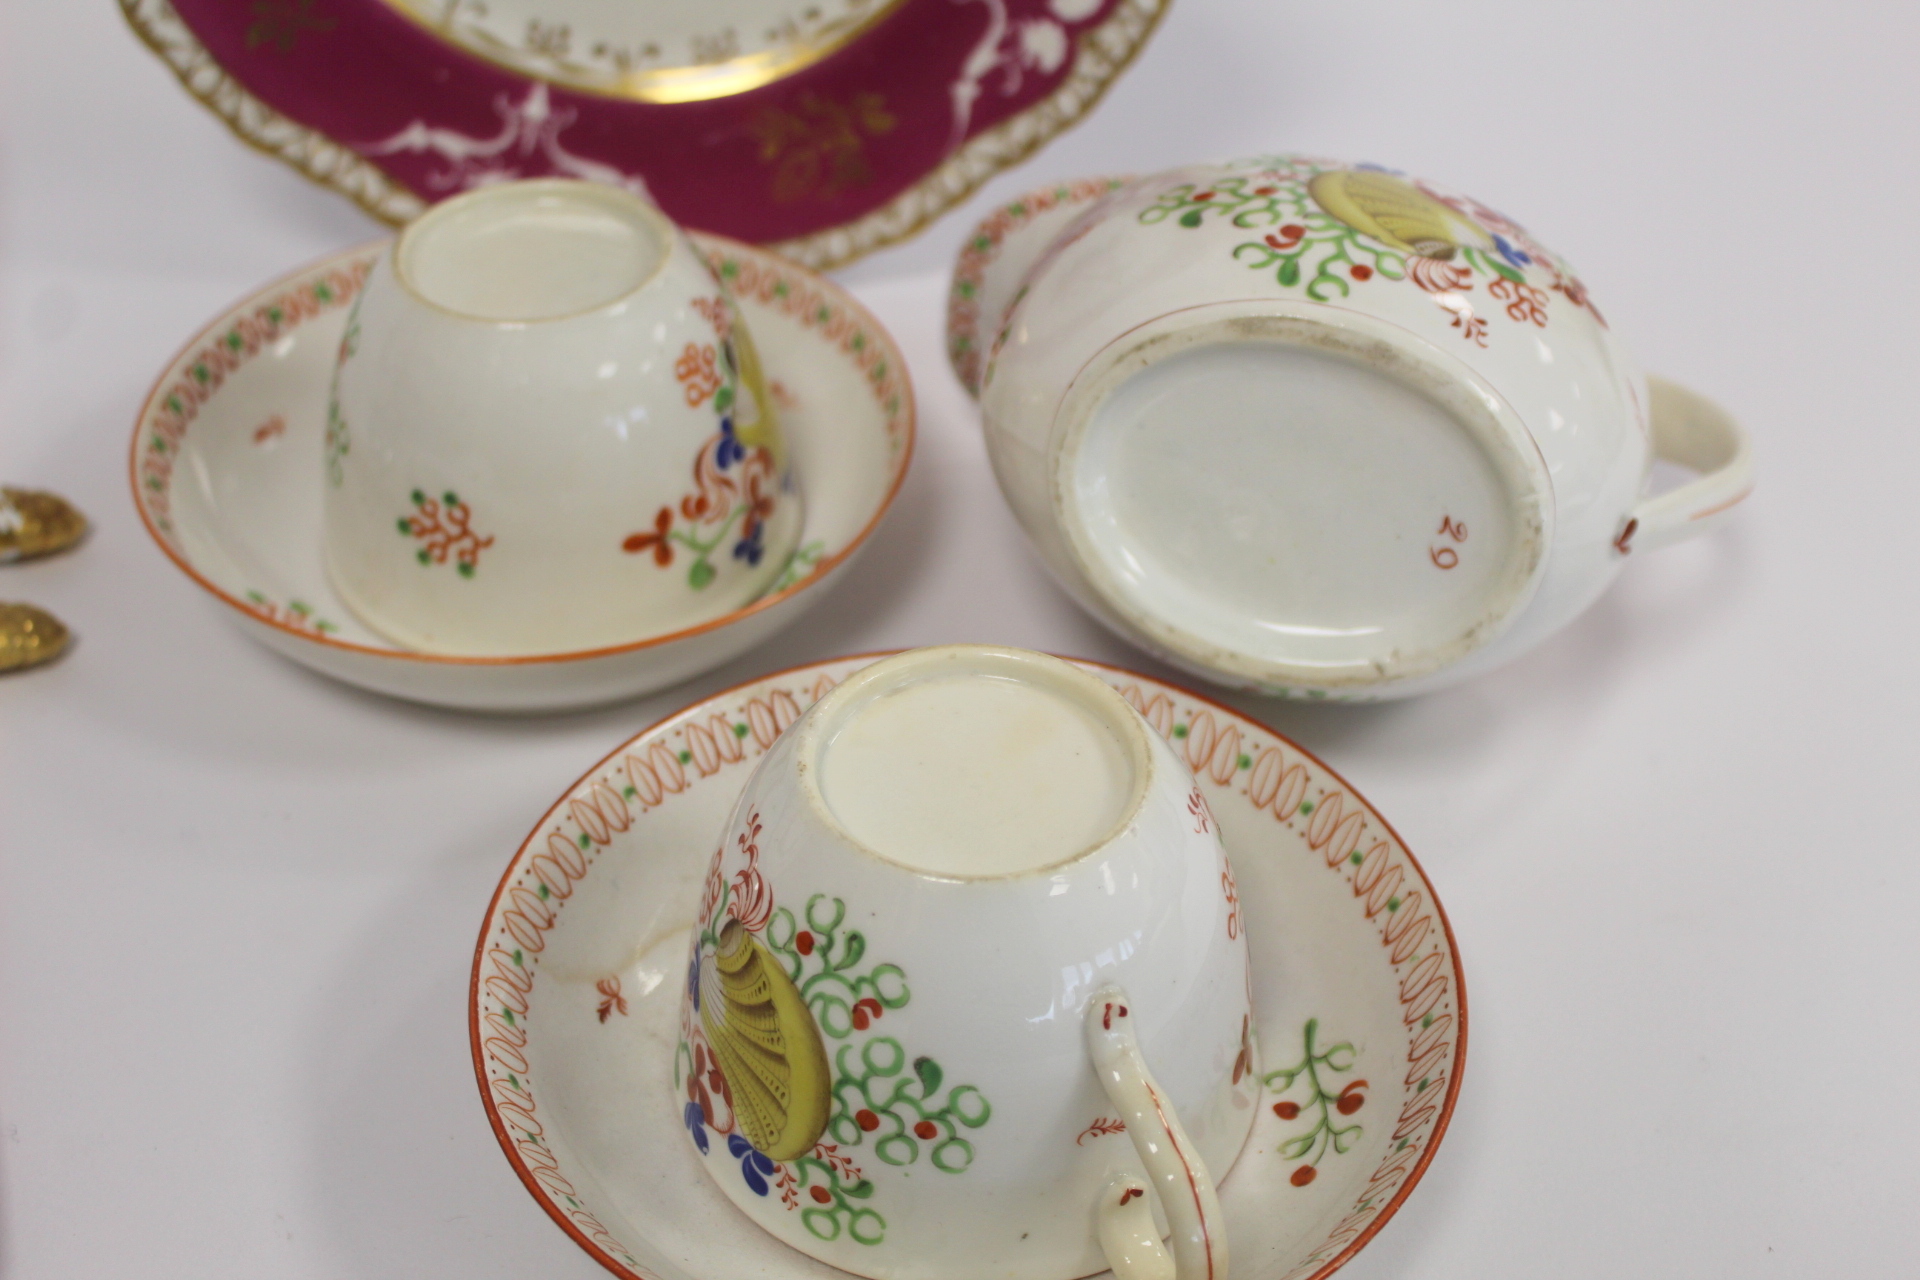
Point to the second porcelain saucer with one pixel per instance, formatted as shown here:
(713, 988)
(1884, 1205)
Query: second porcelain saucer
(581, 961)
(227, 467)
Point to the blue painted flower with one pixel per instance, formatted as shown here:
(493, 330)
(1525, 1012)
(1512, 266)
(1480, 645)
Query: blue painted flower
(697, 1127)
(730, 450)
(1517, 257)
(1371, 167)
(754, 1166)
(753, 546)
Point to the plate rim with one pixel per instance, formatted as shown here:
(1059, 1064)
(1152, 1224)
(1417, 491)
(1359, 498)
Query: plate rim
(1102, 53)
(703, 241)
(1321, 1272)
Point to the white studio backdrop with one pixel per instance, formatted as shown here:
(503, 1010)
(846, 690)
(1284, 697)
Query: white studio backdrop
(237, 902)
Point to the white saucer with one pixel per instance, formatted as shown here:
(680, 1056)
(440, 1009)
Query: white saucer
(227, 464)
(582, 958)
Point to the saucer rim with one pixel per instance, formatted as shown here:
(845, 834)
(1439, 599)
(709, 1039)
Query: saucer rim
(703, 241)
(599, 1255)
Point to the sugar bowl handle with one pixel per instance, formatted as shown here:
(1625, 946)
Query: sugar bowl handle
(1694, 432)
(1124, 1214)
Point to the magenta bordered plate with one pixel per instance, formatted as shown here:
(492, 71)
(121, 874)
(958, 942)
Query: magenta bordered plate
(825, 128)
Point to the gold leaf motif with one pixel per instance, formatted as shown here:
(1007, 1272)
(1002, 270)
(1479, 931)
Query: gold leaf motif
(33, 523)
(29, 636)
(817, 148)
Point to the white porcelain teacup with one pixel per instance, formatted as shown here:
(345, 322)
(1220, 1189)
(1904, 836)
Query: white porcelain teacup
(549, 432)
(961, 906)
(1318, 429)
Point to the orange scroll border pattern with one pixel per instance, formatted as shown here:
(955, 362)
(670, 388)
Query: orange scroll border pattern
(964, 349)
(193, 377)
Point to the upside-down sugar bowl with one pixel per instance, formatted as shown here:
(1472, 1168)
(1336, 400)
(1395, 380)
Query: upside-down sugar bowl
(1318, 429)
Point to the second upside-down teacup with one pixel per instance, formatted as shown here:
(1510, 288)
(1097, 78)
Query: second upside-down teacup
(968, 913)
(548, 431)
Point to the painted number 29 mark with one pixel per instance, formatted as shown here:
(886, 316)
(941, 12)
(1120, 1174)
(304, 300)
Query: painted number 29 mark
(1444, 556)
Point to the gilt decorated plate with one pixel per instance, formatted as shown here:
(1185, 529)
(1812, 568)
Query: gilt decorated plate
(826, 128)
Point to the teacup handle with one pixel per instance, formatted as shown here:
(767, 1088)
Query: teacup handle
(1691, 431)
(1124, 1216)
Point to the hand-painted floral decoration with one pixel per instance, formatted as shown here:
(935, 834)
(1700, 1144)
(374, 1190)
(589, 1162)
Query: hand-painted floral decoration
(1317, 224)
(444, 527)
(738, 474)
(1324, 1107)
(766, 994)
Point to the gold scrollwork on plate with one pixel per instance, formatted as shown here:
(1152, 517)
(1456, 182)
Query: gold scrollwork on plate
(713, 63)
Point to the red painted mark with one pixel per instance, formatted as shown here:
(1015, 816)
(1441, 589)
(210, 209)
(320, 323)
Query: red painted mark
(925, 1130)
(1099, 1129)
(1193, 1185)
(820, 1194)
(1123, 1011)
(1303, 1175)
(1351, 1099)
(866, 1120)
(1286, 1110)
(274, 426)
(1624, 543)
(1129, 1194)
(1447, 557)
(1106, 1018)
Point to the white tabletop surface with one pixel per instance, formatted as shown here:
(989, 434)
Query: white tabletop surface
(1677, 843)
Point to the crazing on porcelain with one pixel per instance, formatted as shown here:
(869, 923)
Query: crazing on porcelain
(1329, 228)
(764, 982)
(736, 475)
(1235, 761)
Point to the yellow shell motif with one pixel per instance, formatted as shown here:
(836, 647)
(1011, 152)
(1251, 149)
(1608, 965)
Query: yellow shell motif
(1394, 211)
(767, 1045)
(754, 420)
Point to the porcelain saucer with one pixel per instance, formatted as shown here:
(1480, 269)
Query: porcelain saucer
(226, 463)
(577, 978)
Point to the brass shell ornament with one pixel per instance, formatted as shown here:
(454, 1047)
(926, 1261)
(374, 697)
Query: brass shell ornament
(29, 636)
(35, 523)
(766, 1043)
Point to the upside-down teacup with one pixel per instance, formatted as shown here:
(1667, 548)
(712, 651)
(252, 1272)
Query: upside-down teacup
(548, 431)
(969, 925)
(1318, 429)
